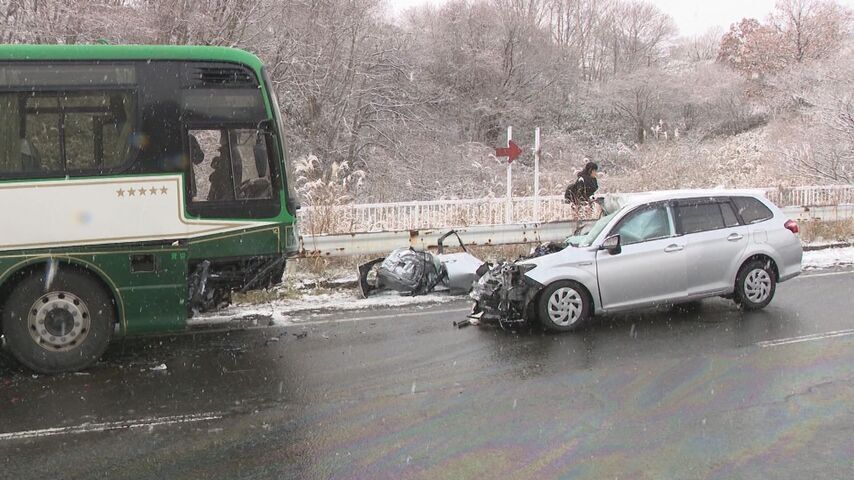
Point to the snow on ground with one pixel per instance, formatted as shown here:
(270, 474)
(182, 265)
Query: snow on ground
(289, 311)
(827, 258)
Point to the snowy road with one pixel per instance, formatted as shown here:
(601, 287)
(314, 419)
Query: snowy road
(396, 392)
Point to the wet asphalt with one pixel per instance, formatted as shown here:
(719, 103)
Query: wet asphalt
(399, 393)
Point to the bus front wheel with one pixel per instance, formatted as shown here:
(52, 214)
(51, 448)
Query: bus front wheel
(58, 322)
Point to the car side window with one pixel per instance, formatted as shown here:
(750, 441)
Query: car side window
(698, 217)
(643, 225)
(730, 220)
(752, 210)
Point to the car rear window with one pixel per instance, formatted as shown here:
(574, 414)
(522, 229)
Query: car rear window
(700, 217)
(752, 210)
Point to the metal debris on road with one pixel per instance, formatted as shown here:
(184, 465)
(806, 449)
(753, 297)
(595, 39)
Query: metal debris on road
(414, 272)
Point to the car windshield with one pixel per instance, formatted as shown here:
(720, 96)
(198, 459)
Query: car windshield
(597, 229)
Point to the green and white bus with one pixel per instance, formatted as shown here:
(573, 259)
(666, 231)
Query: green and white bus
(137, 184)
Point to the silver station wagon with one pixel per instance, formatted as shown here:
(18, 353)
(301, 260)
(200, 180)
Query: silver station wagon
(658, 248)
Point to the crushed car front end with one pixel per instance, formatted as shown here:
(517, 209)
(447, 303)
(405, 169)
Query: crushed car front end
(505, 294)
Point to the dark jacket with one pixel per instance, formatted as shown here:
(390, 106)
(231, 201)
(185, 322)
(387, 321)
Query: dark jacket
(581, 190)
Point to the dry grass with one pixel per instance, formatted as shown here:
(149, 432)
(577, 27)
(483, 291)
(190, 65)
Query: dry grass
(256, 297)
(836, 231)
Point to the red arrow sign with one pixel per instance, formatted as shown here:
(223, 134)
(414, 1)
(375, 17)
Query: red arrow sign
(512, 151)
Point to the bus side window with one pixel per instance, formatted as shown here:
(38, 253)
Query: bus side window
(40, 142)
(211, 175)
(251, 164)
(98, 129)
(50, 133)
(225, 165)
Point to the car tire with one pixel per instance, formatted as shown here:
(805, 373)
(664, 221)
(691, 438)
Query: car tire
(755, 285)
(62, 328)
(564, 306)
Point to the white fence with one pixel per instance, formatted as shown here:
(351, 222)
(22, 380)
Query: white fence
(823, 196)
(384, 217)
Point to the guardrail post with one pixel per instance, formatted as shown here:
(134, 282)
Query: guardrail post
(508, 212)
(537, 175)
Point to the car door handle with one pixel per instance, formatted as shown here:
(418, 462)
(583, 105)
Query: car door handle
(734, 237)
(674, 248)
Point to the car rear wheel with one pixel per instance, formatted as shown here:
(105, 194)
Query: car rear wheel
(58, 324)
(564, 306)
(755, 285)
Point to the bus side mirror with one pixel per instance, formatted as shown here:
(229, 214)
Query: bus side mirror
(612, 245)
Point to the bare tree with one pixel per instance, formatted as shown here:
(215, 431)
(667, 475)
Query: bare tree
(810, 29)
(639, 32)
(635, 98)
(698, 48)
(413, 101)
(817, 141)
(797, 31)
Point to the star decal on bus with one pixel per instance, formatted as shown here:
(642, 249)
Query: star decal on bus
(142, 192)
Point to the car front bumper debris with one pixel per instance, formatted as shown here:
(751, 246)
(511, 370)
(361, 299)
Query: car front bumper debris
(504, 295)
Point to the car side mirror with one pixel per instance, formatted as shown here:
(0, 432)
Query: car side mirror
(612, 245)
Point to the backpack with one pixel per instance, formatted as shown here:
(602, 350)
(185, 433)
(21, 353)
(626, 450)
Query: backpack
(572, 193)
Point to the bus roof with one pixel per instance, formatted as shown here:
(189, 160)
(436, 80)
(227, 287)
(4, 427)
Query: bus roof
(128, 52)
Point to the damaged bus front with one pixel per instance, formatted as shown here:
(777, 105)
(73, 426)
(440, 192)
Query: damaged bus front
(140, 183)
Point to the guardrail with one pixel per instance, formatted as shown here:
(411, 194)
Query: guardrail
(380, 243)
(385, 217)
(371, 243)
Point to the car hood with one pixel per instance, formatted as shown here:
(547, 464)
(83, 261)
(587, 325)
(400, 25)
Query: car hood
(566, 256)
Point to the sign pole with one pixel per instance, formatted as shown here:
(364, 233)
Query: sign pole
(537, 175)
(508, 211)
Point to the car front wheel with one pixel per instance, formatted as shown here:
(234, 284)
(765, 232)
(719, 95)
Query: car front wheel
(755, 285)
(564, 306)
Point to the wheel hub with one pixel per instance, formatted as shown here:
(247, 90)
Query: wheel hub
(757, 285)
(565, 306)
(59, 321)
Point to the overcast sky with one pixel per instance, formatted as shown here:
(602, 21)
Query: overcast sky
(693, 17)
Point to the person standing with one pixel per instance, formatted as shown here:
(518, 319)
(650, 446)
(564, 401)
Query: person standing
(584, 187)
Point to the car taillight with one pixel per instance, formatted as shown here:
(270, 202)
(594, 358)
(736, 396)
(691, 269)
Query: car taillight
(792, 226)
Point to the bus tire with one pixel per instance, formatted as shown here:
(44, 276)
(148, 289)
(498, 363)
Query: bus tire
(63, 327)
